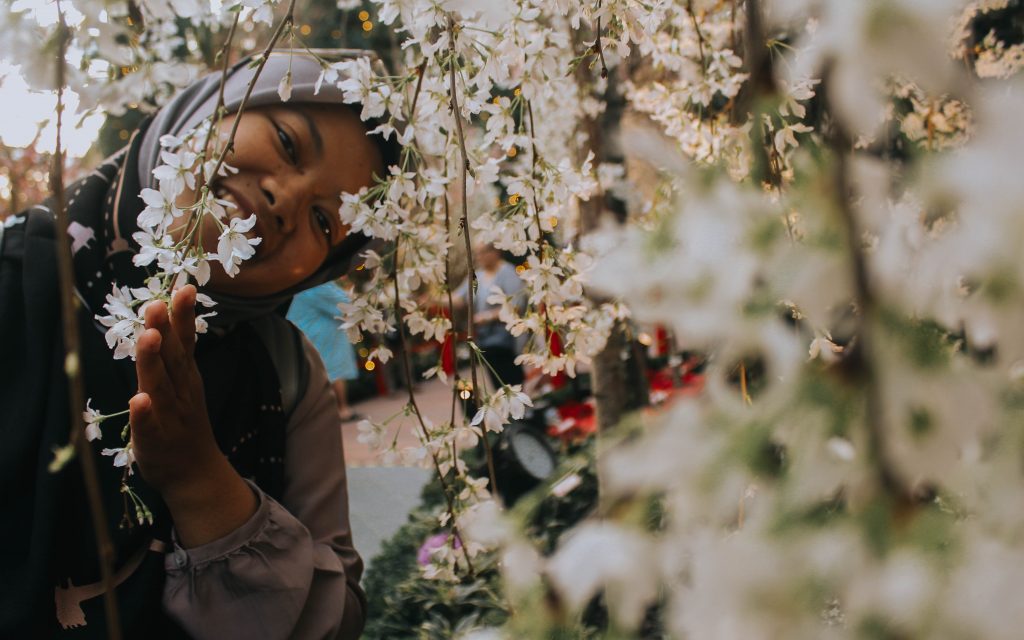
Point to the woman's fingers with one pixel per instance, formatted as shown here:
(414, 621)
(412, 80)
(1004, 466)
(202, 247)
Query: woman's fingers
(149, 366)
(176, 362)
(140, 414)
(183, 317)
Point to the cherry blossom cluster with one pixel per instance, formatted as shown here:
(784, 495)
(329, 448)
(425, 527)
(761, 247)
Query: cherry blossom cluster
(168, 238)
(170, 249)
(184, 203)
(865, 481)
(122, 54)
(522, 183)
(508, 167)
(842, 238)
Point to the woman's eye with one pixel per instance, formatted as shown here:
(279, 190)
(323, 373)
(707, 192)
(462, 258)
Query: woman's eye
(287, 143)
(324, 222)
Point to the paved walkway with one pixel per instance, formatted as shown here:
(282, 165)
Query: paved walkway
(380, 497)
(434, 400)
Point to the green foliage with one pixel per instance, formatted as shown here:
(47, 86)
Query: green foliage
(403, 604)
(764, 457)
(820, 514)
(925, 344)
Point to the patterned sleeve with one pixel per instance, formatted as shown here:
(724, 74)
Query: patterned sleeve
(291, 571)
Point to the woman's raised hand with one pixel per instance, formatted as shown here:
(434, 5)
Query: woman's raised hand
(171, 433)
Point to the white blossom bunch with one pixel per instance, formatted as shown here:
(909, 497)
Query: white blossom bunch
(838, 229)
(176, 261)
(123, 54)
(860, 484)
(171, 252)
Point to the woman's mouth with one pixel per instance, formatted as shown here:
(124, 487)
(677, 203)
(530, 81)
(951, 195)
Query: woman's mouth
(238, 206)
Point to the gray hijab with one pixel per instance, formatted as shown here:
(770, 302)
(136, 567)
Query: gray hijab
(197, 102)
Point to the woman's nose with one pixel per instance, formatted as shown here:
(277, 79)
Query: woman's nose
(277, 202)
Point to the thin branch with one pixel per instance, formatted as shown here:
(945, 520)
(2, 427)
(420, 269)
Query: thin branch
(420, 72)
(451, 298)
(218, 110)
(218, 114)
(536, 213)
(72, 358)
(286, 22)
(407, 369)
(767, 161)
(863, 357)
(600, 50)
(533, 171)
(700, 34)
(469, 245)
(451, 311)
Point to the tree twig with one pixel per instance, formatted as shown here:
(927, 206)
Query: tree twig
(700, 35)
(767, 163)
(421, 71)
(286, 22)
(407, 369)
(533, 172)
(536, 214)
(217, 112)
(451, 315)
(600, 50)
(72, 358)
(863, 356)
(464, 170)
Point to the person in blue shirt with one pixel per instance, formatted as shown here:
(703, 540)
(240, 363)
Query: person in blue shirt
(315, 312)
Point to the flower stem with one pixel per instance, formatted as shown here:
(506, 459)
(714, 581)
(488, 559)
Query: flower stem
(407, 369)
(464, 170)
(286, 22)
(72, 359)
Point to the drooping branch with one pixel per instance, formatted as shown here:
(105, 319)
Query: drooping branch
(761, 87)
(600, 49)
(536, 213)
(407, 370)
(862, 359)
(470, 293)
(224, 54)
(72, 357)
(451, 316)
(699, 33)
(285, 24)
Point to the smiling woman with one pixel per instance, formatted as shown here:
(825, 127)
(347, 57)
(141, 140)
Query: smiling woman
(292, 181)
(236, 435)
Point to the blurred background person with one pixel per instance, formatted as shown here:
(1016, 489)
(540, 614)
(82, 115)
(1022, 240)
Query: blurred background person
(315, 312)
(499, 347)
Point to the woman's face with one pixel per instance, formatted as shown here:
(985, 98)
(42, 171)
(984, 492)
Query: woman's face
(293, 162)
